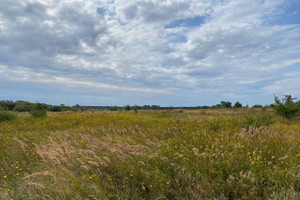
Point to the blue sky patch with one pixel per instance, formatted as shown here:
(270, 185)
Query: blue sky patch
(177, 38)
(101, 11)
(188, 22)
(290, 14)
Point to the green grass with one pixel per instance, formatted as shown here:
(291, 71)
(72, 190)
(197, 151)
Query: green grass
(150, 155)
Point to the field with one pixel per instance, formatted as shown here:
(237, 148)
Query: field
(179, 154)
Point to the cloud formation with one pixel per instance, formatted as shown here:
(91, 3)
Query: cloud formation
(168, 52)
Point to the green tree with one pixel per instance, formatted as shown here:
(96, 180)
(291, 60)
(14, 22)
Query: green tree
(286, 107)
(135, 108)
(237, 105)
(127, 107)
(225, 104)
(257, 106)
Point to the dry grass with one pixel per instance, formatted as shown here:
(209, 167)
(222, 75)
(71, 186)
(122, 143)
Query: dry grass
(211, 154)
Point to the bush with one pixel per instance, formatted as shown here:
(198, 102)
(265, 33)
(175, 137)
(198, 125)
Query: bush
(7, 116)
(286, 107)
(258, 120)
(38, 113)
(38, 110)
(22, 106)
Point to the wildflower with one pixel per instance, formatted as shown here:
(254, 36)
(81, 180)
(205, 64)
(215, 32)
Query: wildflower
(143, 187)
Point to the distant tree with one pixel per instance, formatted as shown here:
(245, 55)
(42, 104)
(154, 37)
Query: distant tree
(286, 107)
(154, 107)
(65, 108)
(225, 104)
(257, 106)
(127, 107)
(77, 107)
(146, 107)
(113, 108)
(55, 108)
(135, 108)
(237, 105)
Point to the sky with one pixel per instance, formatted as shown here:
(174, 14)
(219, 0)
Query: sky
(144, 52)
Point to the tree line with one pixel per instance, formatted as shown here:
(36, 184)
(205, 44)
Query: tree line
(286, 107)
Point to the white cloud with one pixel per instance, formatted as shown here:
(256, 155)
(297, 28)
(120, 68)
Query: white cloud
(128, 47)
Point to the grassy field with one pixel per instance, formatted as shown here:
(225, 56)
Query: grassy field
(208, 154)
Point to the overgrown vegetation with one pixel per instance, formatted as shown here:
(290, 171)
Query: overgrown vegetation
(209, 154)
(38, 110)
(7, 116)
(286, 107)
(24, 106)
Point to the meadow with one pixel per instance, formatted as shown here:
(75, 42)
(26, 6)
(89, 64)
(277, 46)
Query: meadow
(180, 154)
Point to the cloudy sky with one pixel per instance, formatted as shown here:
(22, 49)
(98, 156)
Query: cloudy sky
(165, 52)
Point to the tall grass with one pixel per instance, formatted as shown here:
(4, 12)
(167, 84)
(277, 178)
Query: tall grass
(169, 155)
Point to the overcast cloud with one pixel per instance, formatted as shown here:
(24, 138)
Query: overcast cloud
(166, 52)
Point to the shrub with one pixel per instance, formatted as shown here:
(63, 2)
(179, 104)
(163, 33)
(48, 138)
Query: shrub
(22, 106)
(38, 113)
(286, 107)
(37, 110)
(258, 120)
(7, 116)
